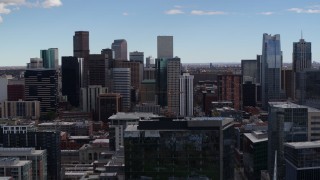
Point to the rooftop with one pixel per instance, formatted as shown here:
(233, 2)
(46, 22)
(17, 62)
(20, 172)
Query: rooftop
(253, 138)
(22, 151)
(132, 116)
(292, 105)
(303, 145)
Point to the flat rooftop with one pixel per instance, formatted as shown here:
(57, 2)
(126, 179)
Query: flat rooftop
(292, 105)
(303, 145)
(254, 139)
(132, 116)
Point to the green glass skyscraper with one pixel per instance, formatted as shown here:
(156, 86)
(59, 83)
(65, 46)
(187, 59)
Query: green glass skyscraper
(50, 58)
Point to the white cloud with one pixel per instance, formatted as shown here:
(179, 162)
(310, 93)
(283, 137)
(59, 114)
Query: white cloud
(51, 3)
(174, 11)
(267, 13)
(7, 6)
(314, 10)
(1, 20)
(125, 14)
(4, 9)
(200, 12)
(178, 6)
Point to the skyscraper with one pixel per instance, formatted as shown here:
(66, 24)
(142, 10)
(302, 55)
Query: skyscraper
(42, 85)
(81, 50)
(50, 58)
(271, 64)
(161, 82)
(89, 96)
(301, 59)
(70, 70)
(165, 46)
(287, 122)
(98, 69)
(149, 62)
(301, 56)
(249, 70)
(137, 56)
(173, 87)
(136, 71)
(186, 95)
(120, 49)
(122, 85)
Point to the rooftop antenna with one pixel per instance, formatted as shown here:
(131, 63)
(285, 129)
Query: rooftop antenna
(301, 35)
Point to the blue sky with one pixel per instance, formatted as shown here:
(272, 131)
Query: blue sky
(204, 30)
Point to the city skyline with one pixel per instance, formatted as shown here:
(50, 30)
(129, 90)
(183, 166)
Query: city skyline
(216, 31)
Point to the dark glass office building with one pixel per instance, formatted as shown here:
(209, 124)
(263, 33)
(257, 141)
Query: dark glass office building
(19, 136)
(308, 88)
(287, 122)
(164, 149)
(42, 85)
(302, 160)
(70, 70)
(271, 64)
(161, 82)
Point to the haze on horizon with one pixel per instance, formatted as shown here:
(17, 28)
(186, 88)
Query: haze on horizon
(208, 31)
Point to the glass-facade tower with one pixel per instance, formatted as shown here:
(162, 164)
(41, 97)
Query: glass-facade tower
(301, 61)
(161, 82)
(271, 64)
(287, 122)
(50, 58)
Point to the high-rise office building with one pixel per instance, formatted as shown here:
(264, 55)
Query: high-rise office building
(229, 89)
(21, 136)
(42, 85)
(122, 85)
(301, 56)
(4, 80)
(149, 73)
(120, 49)
(165, 47)
(150, 62)
(249, 94)
(107, 105)
(70, 70)
(302, 160)
(108, 52)
(35, 63)
(89, 96)
(81, 50)
(286, 82)
(136, 56)
(98, 66)
(109, 55)
(301, 60)
(148, 91)
(173, 85)
(50, 58)
(161, 82)
(287, 122)
(186, 95)
(308, 88)
(249, 70)
(255, 153)
(136, 71)
(271, 64)
(201, 148)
